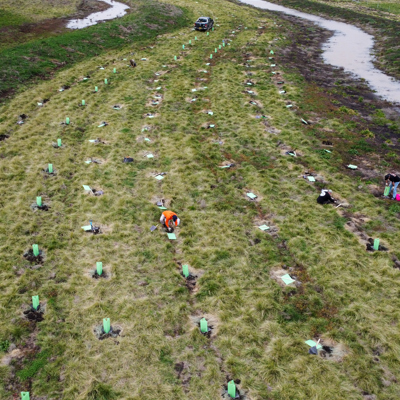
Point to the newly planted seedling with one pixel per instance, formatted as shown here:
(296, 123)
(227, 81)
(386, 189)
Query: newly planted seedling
(35, 249)
(35, 302)
(232, 389)
(203, 326)
(106, 325)
(99, 267)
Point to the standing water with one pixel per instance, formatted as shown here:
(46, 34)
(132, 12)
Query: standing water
(349, 48)
(115, 11)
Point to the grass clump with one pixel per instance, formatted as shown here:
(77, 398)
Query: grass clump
(4, 345)
(101, 391)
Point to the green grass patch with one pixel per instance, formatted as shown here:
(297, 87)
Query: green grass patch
(8, 18)
(34, 366)
(39, 58)
(385, 7)
(4, 345)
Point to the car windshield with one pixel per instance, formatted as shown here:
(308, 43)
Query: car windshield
(202, 20)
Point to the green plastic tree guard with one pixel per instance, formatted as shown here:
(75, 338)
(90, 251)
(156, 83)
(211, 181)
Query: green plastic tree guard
(105, 81)
(67, 121)
(387, 191)
(83, 102)
(50, 168)
(190, 42)
(203, 326)
(208, 33)
(115, 70)
(99, 267)
(35, 302)
(175, 58)
(376, 244)
(215, 50)
(195, 38)
(25, 396)
(223, 44)
(106, 325)
(232, 389)
(210, 56)
(59, 142)
(35, 249)
(183, 47)
(220, 47)
(96, 89)
(39, 201)
(185, 270)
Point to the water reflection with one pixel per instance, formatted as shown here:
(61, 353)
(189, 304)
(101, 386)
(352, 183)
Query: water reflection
(349, 48)
(116, 10)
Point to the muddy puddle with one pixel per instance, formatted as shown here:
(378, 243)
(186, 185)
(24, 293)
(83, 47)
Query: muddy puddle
(349, 48)
(116, 10)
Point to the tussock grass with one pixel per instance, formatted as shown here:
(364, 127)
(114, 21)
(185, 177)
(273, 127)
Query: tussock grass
(346, 296)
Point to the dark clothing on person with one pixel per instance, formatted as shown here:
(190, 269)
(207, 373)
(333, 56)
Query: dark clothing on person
(325, 198)
(392, 178)
(394, 182)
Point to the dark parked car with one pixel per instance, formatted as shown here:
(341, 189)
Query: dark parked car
(204, 24)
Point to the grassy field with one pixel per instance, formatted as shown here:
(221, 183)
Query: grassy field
(37, 59)
(343, 295)
(391, 8)
(35, 10)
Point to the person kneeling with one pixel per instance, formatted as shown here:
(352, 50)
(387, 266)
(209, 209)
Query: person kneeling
(168, 219)
(325, 197)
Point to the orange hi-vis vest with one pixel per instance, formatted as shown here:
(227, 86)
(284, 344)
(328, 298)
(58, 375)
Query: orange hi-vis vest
(168, 216)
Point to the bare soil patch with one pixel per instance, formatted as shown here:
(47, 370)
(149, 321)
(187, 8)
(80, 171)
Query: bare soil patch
(28, 255)
(115, 331)
(212, 322)
(332, 350)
